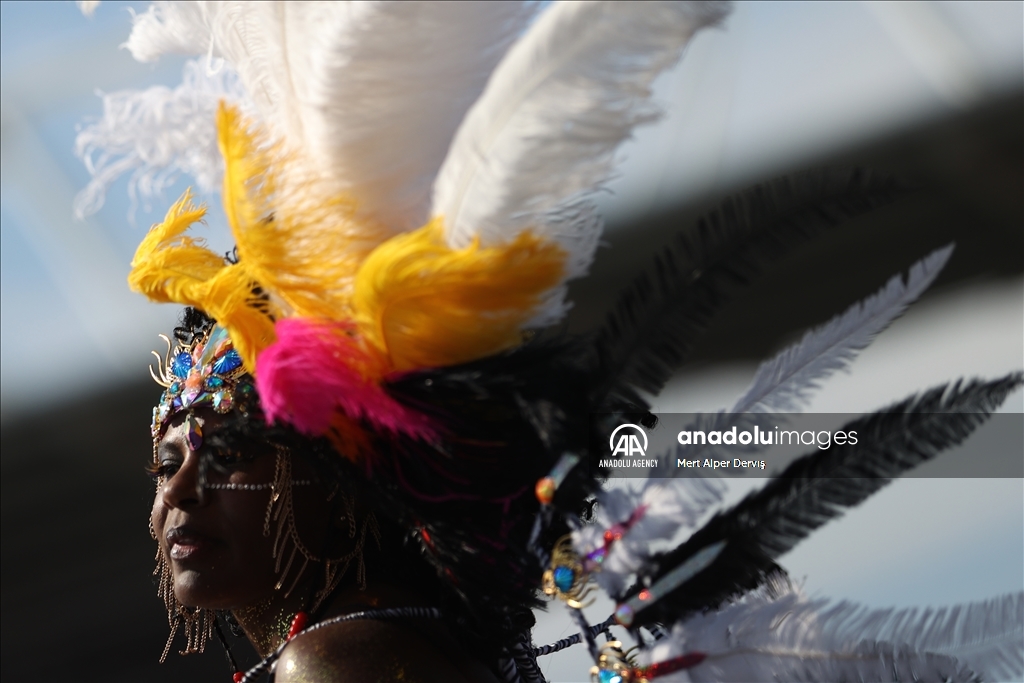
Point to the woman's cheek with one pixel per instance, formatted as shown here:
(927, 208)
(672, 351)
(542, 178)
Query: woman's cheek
(157, 520)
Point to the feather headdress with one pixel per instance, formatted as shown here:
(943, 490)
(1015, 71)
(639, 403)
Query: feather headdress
(399, 209)
(410, 186)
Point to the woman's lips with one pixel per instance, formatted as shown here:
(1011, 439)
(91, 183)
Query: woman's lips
(184, 543)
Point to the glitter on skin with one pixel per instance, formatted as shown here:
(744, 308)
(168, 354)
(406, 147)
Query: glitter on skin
(266, 634)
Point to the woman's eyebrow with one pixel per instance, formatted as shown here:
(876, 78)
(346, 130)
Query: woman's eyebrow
(170, 447)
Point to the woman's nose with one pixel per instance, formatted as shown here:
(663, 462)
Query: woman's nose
(181, 490)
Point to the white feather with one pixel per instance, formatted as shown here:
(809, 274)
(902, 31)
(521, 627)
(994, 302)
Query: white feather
(767, 636)
(669, 507)
(542, 137)
(413, 69)
(370, 93)
(784, 382)
(156, 135)
(87, 7)
(171, 28)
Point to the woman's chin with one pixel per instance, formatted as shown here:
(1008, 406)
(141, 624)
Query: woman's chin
(194, 588)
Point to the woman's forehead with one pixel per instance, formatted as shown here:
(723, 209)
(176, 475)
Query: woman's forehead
(192, 427)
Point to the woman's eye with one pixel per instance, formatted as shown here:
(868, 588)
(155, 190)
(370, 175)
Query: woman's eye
(164, 469)
(226, 458)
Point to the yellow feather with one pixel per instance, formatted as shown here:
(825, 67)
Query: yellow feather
(298, 246)
(300, 241)
(166, 255)
(424, 304)
(171, 267)
(248, 185)
(416, 302)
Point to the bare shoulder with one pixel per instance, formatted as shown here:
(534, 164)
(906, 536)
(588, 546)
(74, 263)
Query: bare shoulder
(374, 652)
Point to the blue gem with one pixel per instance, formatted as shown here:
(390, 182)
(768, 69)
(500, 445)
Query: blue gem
(564, 578)
(214, 382)
(181, 364)
(175, 387)
(228, 362)
(608, 676)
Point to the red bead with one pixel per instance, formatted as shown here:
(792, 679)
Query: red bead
(238, 676)
(687, 661)
(298, 623)
(614, 533)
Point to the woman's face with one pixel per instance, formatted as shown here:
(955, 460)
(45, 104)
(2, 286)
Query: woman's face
(213, 541)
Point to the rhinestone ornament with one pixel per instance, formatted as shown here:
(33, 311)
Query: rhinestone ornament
(193, 433)
(566, 578)
(223, 402)
(206, 372)
(624, 615)
(563, 577)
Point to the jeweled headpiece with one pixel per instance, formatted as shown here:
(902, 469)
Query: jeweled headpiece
(207, 371)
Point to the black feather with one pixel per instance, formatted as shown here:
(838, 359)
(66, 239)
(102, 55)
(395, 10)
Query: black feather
(505, 421)
(819, 487)
(660, 316)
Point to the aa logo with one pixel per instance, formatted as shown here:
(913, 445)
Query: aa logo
(628, 440)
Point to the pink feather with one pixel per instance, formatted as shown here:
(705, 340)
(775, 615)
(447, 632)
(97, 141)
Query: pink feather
(317, 367)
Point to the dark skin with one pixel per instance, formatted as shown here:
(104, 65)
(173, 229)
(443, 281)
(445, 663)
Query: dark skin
(220, 559)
